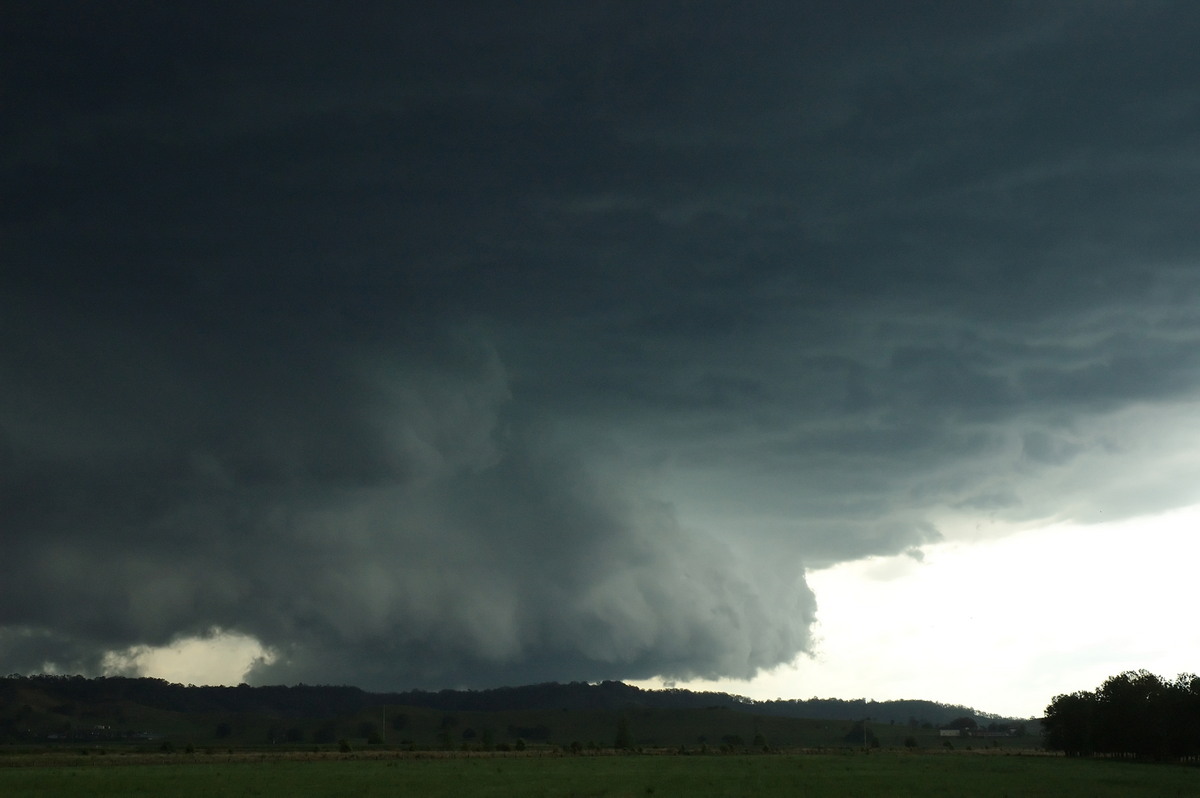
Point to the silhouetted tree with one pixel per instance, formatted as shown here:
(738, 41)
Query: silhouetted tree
(1131, 714)
(1070, 724)
(860, 734)
(1135, 713)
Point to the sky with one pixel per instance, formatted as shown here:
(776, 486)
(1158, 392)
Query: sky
(838, 349)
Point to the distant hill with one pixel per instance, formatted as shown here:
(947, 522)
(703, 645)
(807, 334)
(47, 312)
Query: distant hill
(143, 712)
(618, 695)
(63, 696)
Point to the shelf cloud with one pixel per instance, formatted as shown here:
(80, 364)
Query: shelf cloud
(458, 348)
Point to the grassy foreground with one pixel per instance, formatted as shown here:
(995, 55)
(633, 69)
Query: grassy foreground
(877, 774)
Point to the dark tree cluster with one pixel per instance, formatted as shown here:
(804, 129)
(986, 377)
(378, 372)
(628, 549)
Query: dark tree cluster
(1135, 714)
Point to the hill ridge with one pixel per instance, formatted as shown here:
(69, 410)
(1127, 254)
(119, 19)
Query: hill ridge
(304, 700)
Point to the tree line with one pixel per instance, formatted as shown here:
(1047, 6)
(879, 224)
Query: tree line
(329, 700)
(1134, 714)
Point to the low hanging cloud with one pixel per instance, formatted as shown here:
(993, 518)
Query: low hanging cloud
(378, 520)
(507, 348)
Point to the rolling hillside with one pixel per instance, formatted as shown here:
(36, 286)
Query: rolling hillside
(579, 716)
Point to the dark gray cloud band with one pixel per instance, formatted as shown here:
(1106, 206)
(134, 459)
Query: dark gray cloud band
(492, 346)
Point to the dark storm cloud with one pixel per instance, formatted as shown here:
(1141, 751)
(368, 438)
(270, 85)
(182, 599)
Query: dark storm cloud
(484, 345)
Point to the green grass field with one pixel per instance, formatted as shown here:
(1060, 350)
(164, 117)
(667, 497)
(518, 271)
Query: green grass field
(384, 774)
